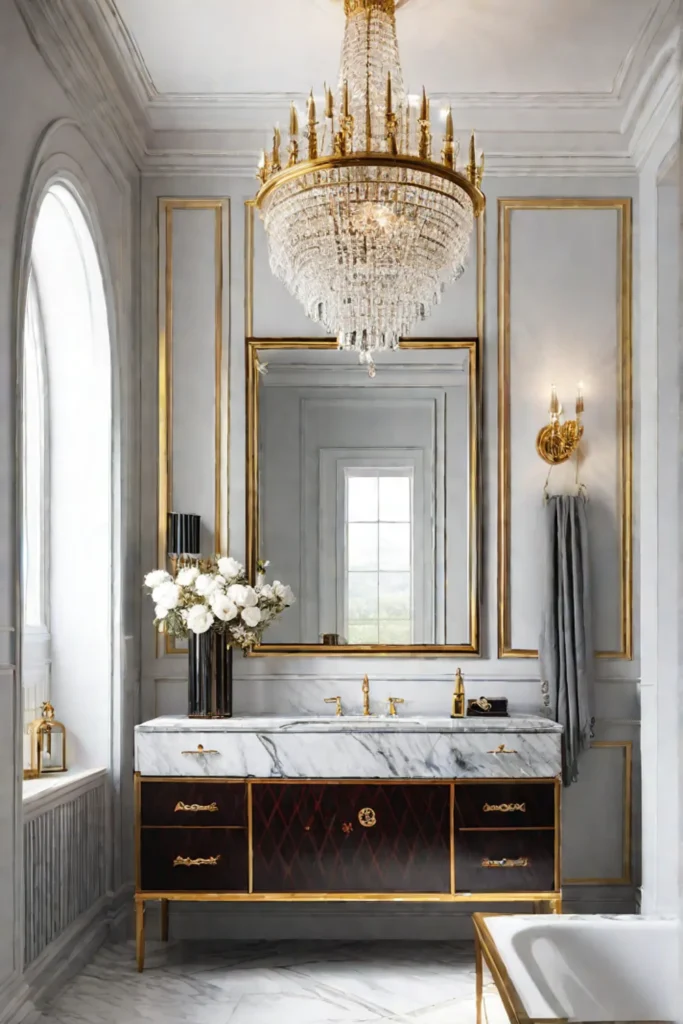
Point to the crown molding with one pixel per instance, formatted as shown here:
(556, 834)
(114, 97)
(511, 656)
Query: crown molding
(93, 55)
(658, 92)
(75, 49)
(557, 163)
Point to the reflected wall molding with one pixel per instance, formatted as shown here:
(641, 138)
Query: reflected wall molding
(166, 210)
(626, 877)
(623, 208)
(249, 276)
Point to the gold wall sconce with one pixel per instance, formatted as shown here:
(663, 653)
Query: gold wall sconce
(558, 440)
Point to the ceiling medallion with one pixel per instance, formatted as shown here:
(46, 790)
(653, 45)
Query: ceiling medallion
(364, 227)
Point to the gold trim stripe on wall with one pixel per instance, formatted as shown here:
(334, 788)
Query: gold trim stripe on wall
(166, 209)
(627, 818)
(624, 414)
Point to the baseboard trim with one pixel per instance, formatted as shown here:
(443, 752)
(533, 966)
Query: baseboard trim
(69, 953)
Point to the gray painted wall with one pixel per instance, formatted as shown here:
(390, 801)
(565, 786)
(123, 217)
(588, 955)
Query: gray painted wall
(42, 133)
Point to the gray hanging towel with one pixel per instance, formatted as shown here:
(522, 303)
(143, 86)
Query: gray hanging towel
(565, 648)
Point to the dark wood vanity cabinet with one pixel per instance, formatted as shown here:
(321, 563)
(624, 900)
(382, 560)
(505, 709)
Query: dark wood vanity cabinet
(249, 839)
(351, 838)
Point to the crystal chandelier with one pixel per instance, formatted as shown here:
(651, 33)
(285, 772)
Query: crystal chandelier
(365, 228)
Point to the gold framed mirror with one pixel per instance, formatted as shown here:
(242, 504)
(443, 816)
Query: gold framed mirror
(363, 495)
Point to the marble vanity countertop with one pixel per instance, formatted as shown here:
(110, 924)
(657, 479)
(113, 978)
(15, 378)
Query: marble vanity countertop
(349, 723)
(351, 747)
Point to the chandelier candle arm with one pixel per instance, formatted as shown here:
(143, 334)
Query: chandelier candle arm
(369, 230)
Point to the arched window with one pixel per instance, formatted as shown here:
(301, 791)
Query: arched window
(67, 487)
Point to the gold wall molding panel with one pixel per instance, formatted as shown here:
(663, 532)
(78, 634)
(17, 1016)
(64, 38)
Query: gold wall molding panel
(623, 208)
(626, 877)
(167, 207)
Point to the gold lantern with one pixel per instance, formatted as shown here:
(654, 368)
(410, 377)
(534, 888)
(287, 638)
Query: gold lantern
(47, 740)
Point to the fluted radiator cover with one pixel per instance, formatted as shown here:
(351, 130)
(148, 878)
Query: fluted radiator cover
(64, 866)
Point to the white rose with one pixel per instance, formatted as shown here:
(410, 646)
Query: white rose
(245, 597)
(160, 612)
(156, 578)
(186, 577)
(287, 595)
(229, 567)
(167, 595)
(267, 592)
(206, 585)
(199, 619)
(251, 615)
(222, 607)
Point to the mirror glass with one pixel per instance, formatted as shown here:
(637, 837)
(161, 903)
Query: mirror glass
(366, 493)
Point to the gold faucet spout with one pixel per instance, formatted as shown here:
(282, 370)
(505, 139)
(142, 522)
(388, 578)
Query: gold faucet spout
(366, 696)
(458, 705)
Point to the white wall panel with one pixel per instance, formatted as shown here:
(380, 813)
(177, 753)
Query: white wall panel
(565, 327)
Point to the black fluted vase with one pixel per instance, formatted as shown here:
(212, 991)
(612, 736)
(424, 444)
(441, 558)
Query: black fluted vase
(210, 676)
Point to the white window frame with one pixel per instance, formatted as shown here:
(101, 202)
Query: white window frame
(416, 523)
(36, 648)
(334, 467)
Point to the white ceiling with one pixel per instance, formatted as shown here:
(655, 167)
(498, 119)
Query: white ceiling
(472, 47)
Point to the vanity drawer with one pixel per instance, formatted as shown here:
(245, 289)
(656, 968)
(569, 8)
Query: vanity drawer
(505, 805)
(193, 803)
(193, 860)
(500, 861)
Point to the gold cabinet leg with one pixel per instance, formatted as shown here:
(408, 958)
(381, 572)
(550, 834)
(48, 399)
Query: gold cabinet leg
(140, 933)
(164, 920)
(480, 977)
(556, 905)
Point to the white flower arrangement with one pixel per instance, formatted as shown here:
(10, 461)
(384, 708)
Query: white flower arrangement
(216, 594)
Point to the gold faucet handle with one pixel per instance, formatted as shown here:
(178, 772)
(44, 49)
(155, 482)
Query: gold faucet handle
(393, 701)
(337, 701)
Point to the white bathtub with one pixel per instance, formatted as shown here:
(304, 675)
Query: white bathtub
(579, 967)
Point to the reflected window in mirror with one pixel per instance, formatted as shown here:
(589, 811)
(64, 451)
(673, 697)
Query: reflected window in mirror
(379, 600)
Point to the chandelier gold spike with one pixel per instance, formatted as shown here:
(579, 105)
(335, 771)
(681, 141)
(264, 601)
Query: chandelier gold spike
(365, 228)
(448, 151)
(276, 165)
(425, 123)
(293, 136)
(312, 132)
(391, 122)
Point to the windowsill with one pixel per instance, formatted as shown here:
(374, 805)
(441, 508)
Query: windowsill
(48, 790)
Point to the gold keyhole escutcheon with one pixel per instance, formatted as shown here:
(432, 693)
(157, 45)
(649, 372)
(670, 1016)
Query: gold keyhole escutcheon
(367, 817)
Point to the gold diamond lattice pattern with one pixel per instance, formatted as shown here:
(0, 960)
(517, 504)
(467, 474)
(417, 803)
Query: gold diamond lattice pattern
(365, 228)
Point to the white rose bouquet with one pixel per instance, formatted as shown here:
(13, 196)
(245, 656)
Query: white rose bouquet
(216, 594)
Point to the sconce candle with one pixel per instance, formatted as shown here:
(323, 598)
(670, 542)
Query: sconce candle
(557, 441)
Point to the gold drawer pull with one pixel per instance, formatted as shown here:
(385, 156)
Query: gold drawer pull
(200, 750)
(504, 808)
(196, 862)
(212, 807)
(504, 862)
(502, 749)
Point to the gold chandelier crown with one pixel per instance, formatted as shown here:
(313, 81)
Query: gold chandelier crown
(365, 227)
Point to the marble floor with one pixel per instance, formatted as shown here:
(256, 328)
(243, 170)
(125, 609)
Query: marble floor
(272, 983)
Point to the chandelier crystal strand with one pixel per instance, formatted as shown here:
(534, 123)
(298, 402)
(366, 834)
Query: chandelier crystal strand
(367, 229)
